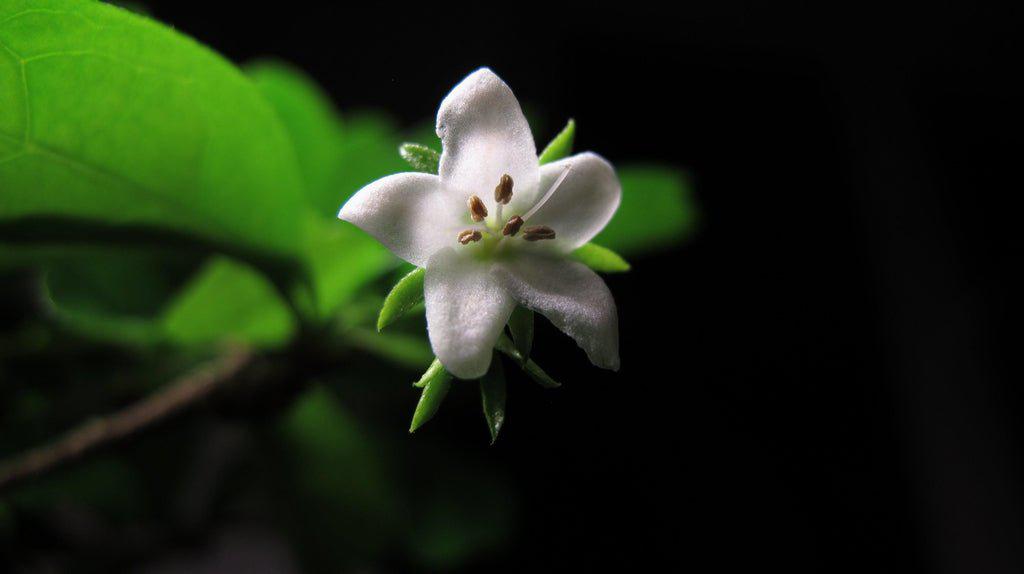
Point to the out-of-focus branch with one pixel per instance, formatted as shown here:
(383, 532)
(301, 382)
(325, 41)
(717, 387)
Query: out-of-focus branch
(175, 397)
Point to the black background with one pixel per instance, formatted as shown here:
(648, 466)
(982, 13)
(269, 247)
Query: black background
(823, 378)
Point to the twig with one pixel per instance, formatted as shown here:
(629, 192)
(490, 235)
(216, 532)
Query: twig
(172, 398)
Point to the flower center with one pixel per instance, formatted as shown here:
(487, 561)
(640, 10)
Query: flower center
(507, 228)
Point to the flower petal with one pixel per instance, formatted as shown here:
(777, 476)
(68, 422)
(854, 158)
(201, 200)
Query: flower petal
(406, 213)
(572, 297)
(485, 135)
(466, 310)
(584, 202)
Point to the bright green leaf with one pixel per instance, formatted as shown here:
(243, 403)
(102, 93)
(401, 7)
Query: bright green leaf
(529, 367)
(520, 324)
(601, 259)
(657, 210)
(403, 296)
(434, 392)
(420, 157)
(313, 125)
(561, 145)
(492, 391)
(229, 301)
(113, 126)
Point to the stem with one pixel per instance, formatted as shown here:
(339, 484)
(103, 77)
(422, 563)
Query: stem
(173, 398)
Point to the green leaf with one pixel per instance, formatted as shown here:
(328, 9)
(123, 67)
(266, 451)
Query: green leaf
(112, 125)
(403, 296)
(492, 391)
(529, 367)
(657, 211)
(313, 125)
(601, 259)
(229, 301)
(341, 259)
(520, 324)
(561, 145)
(420, 157)
(407, 350)
(434, 391)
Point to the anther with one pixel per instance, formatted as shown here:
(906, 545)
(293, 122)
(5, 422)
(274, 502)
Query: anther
(513, 225)
(470, 235)
(538, 232)
(477, 209)
(503, 193)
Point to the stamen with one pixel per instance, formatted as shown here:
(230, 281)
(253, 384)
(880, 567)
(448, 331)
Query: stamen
(503, 193)
(549, 193)
(513, 225)
(469, 236)
(477, 209)
(538, 232)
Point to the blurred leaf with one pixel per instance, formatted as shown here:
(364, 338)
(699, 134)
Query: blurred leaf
(338, 496)
(403, 296)
(342, 259)
(561, 145)
(369, 154)
(228, 300)
(407, 350)
(529, 367)
(313, 125)
(115, 127)
(420, 157)
(105, 485)
(657, 210)
(492, 391)
(520, 324)
(434, 391)
(115, 296)
(601, 259)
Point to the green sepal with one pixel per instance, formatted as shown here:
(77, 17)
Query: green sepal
(561, 145)
(420, 157)
(520, 324)
(403, 296)
(601, 259)
(492, 391)
(505, 345)
(434, 390)
(434, 371)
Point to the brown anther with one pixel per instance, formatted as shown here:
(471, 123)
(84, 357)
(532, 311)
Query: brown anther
(538, 232)
(503, 193)
(477, 209)
(513, 225)
(468, 236)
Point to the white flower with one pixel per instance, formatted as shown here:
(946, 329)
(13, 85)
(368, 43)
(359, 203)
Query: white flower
(481, 260)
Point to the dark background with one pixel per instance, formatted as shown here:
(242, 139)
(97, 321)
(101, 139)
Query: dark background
(822, 378)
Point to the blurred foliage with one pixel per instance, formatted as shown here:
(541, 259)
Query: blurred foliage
(157, 201)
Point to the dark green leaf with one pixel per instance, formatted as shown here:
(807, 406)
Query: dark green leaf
(229, 301)
(420, 157)
(110, 120)
(529, 367)
(657, 210)
(520, 324)
(407, 350)
(492, 391)
(434, 392)
(601, 259)
(561, 146)
(403, 296)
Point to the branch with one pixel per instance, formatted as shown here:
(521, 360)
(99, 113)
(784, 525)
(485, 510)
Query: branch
(175, 397)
